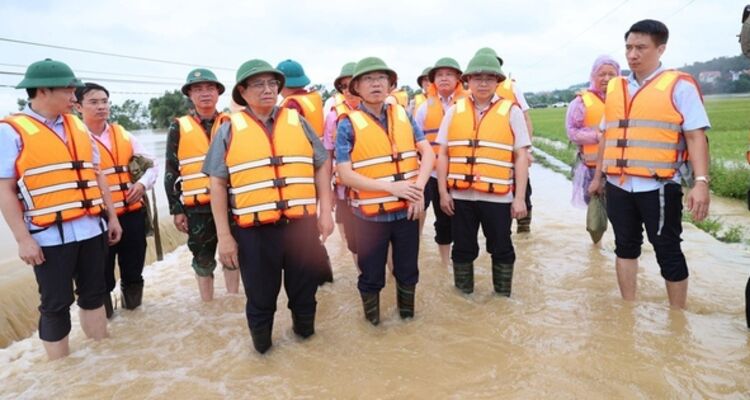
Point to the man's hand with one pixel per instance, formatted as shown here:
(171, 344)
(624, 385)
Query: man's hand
(518, 208)
(406, 190)
(325, 226)
(30, 252)
(415, 210)
(135, 193)
(596, 187)
(698, 200)
(181, 222)
(446, 204)
(228, 252)
(114, 233)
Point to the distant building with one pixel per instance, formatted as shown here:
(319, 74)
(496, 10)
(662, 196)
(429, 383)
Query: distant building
(736, 74)
(709, 76)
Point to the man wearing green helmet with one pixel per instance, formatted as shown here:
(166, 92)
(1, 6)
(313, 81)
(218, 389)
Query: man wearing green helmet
(308, 103)
(187, 187)
(423, 81)
(483, 157)
(54, 199)
(444, 89)
(508, 89)
(268, 167)
(344, 216)
(376, 154)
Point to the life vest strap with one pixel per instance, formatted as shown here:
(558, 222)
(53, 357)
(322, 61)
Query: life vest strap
(646, 143)
(643, 123)
(62, 186)
(480, 160)
(274, 161)
(116, 169)
(479, 143)
(472, 179)
(384, 159)
(275, 183)
(192, 160)
(194, 192)
(621, 163)
(276, 205)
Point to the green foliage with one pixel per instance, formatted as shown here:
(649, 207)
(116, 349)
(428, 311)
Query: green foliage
(131, 115)
(710, 225)
(22, 103)
(166, 108)
(733, 234)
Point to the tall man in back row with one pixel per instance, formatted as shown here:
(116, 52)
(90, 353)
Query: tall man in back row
(651, 118)
(51, 196)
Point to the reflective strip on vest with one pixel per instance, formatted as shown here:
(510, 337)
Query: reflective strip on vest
(274, 206)
(480, 160)
(471, 178)
(270, 161)
(62, 207)
(192, 160)
(384, 159)
(645, 143)
(116, 169)
(620, 163)
(193, 192)
(62, 186)
(371, 201)
(400, 177)
(479, 143)
(271, 183)
(643, 123)
(56, 167)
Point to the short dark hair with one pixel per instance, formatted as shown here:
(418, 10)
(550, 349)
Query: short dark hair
(88, 87)
(31, 92)
(656, 29)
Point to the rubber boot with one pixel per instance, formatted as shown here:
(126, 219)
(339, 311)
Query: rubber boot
(405, 300)
(261, 338)
(303, 325)
(523, 225)
(131, 296)
(371, 304)
(502, 278)
(463, 276)
(108, 309)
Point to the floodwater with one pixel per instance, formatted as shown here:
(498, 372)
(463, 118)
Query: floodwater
(565, 333)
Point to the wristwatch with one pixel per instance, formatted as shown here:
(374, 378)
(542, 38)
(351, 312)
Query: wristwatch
(702, 178)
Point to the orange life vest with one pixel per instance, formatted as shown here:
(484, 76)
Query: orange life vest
(386, 156)
(114, 166)
(435, 114)
(270, 174)
(401, 97)
(191, 151)
(480, 155)
(593, 112)
(419, 98)
(57, 179)
(338, 98)
(506, 90)
(312, 109)
(643, 134)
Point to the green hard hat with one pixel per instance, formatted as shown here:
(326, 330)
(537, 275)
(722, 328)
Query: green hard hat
(200, 75)
(484, 63)
(372, 64)
(346, 72)
(49, 73)
(294, 73)
(445, 62)
(488, 50)
(252, 68)
(424, 74)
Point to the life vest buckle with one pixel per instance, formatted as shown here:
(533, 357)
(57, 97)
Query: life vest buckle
(81, 184)
(622, 142)
(77, 164)
(397, 157)
(620, 163)
(276, 161)
(282, 204)
(623, 123)
(471, 160)
(118, 168)
(124, 187)
(399, 176)
(279, 182)
(469, 178)
(473, 142)
(88, 203)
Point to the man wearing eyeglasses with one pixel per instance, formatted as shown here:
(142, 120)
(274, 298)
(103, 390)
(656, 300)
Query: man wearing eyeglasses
(187, 187)
(376, 155)
(483, 157)
(116, 149)
(268, 167)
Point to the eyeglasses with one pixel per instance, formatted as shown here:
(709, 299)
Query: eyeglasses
(103, 102)
(483, 79)
(272, 84)
(370, 79)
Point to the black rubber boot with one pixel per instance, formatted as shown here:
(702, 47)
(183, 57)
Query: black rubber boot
(132, 296)
(371, 304)
(261, 338)
(502, 278)
(523, 225)
(108, 309)
(303, 325)
(747, 303)
(405, 300)
(463, 276)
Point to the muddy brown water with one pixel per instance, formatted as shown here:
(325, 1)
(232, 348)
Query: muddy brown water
(565, 333)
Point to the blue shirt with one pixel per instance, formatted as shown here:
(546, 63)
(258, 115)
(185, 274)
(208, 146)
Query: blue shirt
(688, 102)
(345, 142)
(76, 230)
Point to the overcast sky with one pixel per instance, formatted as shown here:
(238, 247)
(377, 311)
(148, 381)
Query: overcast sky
(545, 44)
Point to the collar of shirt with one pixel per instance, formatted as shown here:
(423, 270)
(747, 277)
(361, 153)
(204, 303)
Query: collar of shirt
(50, 123)
(634, 83)
(481, 111)
(383, 118)
(104, 137)
(271, 118)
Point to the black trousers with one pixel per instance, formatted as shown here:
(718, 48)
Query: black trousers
(288, 248)
(81, 263)
(345, 217)
(629, 212)
(373, 239)
(130, 251)
(495, 221)
(442, 223)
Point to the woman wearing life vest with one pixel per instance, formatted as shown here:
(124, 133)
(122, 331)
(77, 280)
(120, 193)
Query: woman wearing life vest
(584, 115)
(344, 217)
(116, 148)
(53, 198)
(483, 156)
(271, 172)
(187, 188)
(651, 118)
(377, 149)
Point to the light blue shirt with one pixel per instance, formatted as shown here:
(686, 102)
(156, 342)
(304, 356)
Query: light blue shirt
(76, 230)
(688, 102)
